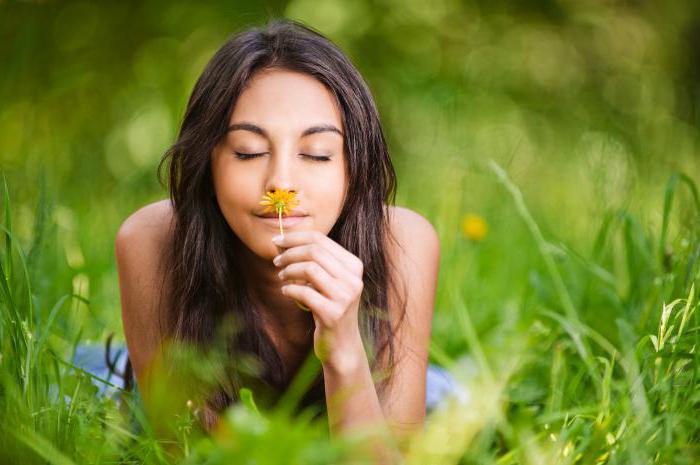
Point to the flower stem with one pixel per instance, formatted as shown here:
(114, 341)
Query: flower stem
(279, 212)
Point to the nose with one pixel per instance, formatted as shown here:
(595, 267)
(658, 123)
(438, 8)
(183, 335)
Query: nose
(280, 171)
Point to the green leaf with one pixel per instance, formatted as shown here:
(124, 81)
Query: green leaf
(247, 398)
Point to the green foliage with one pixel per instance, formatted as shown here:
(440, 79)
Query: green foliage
(571, 128)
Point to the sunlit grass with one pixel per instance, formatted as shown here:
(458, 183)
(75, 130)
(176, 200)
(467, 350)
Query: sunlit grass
(581, 371)
(554, 147)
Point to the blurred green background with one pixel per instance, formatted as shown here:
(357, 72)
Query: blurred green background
(586, 104)
(590, 107)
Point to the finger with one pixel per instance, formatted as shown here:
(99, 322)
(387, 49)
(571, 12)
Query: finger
(314, 253)
(314, 274)
(296, 238)
(307, 296)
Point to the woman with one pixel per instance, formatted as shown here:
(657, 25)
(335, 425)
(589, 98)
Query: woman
(282, 108)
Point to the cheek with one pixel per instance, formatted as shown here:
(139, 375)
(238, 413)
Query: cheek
(331, 182)
(329, 191)
(231, 184)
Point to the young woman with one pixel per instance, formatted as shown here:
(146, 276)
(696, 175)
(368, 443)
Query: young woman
(282, 108)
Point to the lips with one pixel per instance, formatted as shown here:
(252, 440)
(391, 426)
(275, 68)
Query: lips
(267, 215)
(287, 221)
(294, 214)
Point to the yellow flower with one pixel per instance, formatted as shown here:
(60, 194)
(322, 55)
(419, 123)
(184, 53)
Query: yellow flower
(474, 227)
(281, 201)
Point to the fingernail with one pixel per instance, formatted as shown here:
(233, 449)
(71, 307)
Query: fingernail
(277, 239)
(277, 260)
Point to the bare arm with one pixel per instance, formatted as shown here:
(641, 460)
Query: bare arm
(137, 250)
(402, 409)
(417, 261)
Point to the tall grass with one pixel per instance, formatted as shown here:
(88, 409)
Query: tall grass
(600, 366)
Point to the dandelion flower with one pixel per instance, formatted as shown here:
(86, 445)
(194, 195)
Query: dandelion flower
(474, 227)
(281, 201)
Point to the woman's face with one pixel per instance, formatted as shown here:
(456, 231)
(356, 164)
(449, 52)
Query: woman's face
(285, 117)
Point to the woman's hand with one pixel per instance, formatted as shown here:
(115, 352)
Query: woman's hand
(333, 293)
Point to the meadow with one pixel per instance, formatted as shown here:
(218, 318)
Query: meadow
(555, 147)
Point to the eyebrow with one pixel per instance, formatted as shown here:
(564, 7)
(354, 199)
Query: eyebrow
(245, 126)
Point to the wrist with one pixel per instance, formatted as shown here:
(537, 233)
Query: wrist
(346, 359)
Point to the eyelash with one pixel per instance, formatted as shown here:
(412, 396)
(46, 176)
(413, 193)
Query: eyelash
(247, 156)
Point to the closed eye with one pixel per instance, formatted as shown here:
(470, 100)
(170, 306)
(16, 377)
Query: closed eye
(247, 156)
(316, 158)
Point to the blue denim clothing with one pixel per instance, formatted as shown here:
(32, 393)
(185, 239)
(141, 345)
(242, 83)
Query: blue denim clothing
(92, 358)
(440, 384)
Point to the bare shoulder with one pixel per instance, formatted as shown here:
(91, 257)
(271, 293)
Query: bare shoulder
(152, 220)
(413, 249)
(138, 247)
(409, 228)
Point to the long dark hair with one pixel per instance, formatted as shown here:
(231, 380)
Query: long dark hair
(203, 264)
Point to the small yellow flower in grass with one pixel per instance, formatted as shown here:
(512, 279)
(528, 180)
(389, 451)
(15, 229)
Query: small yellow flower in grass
(281, 201)
(474, 227)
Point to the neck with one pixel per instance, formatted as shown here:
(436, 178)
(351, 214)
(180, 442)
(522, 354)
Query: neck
(279, 313)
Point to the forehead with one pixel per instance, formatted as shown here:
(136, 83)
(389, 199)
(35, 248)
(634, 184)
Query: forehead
(282, 99)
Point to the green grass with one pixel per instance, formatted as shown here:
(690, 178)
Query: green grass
(574, 322)
(597, 362)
